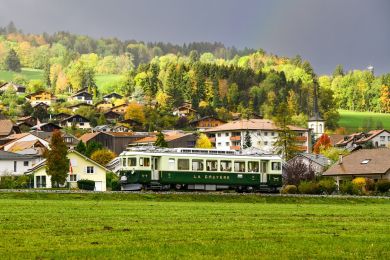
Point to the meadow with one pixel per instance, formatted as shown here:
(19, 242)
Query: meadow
(36, 225)
(352, 120)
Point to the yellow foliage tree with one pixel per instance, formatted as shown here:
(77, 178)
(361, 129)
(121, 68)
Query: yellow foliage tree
(103, 156)
(135, 111)
(203, 142)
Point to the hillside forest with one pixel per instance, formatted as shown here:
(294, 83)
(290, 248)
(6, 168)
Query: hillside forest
(217, 80)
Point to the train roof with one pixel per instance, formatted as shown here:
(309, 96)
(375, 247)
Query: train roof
(158, 151)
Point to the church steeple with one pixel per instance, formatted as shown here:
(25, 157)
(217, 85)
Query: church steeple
(316, 123)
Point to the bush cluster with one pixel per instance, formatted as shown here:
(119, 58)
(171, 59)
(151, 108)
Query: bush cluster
(15, 182)
(86, 185)
(289, 189)
(382, 186)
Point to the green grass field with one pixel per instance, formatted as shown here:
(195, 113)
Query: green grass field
(191, 226)
(27, 73)
(352, 120)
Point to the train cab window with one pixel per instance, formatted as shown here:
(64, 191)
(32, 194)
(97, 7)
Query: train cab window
(253, 166)
(239, 166)
(226, 166)
(197, 165)
(212, 165)
(123, 162)
(143, 161)
(183, 164)
(275, 166)
(132, 161)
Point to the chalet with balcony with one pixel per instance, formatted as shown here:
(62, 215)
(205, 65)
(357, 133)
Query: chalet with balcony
(121, 109)
(41, 97)
(112, 96)
(83, 96)
(206, 123)
(19, 89)
(76, 121)
(262, 132)
(373, 138)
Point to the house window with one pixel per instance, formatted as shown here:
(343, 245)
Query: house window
(382, 138)
(219, 134)
(227, 143)
(25, 163)
(183, 164)
(219, 143)
(273, 133)
(226, 134)
(81, 123)
(90, 169)
(258, 133)
(388, 138)
(275, 166)
(265, 133)
(197, 165)
(15, 168)
(145, 162)
(73, 178)
(265, 143)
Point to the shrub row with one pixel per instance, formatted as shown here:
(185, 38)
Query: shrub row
(15, 182)
(86, 185)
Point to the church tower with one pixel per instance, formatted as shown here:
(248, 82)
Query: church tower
(316, 123)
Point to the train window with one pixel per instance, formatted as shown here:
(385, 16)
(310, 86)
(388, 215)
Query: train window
(197, 165)
(275, 166)
(239, 166)
(143, 161)
(171, 164)
(123, 162)
(253, 166)
(132, 162)
(183, 164)
(212, 165)
(226, 166)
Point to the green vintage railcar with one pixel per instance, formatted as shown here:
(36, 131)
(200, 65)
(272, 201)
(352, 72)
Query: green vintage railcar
(198, 169)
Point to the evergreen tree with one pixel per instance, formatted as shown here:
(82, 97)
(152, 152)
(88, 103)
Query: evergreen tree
(247, 140)
(92, 147)
(12, 61)
(27, 109)
(285, 143)
(46, 75)
(57, 164)
(81, 148)
(160, 142)
(101, 120)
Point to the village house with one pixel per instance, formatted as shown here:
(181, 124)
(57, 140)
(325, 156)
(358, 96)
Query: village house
(121, 109)
(40, 105)
(104, 106)
(14, 164)
(7, 127)
(316, 163)
(46, 127)
(121, 129)
(102, 128)
(28, 120)
(174, 139)
(76, 121)
(19, 89)
(262, 132)
(17, 139)
(81, 168)
(76, 107)
(114, 141)
(83, 96)
(70, 140)
(185, 110)
(112, 96)
(374, 138)
(368, 163)
(133, 124)
(112, 117)
(40, 97)
(206, 122)
(60, 116)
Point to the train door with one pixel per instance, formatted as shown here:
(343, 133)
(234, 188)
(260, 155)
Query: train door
(155, 173)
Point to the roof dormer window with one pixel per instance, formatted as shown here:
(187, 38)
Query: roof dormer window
(366, 161)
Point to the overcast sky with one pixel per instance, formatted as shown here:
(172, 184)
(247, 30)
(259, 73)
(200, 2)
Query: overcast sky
(355, 33)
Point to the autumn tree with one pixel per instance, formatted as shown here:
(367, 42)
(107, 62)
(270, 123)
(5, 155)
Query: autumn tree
(203, 142)
(91, 147)
(12, 61)
(385, 99)
(135, 111)
(57, 164)
(322, 143)
(103, 156)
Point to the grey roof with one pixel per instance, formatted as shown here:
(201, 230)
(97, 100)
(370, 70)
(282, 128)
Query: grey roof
(14, 156)
(316, 158)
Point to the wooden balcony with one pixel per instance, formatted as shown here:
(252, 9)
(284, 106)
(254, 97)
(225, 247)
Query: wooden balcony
(301, 138)
(235, 147)
(302, 148)
(235, 138)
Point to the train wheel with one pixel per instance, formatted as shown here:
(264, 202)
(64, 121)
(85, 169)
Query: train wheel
(178, 187)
